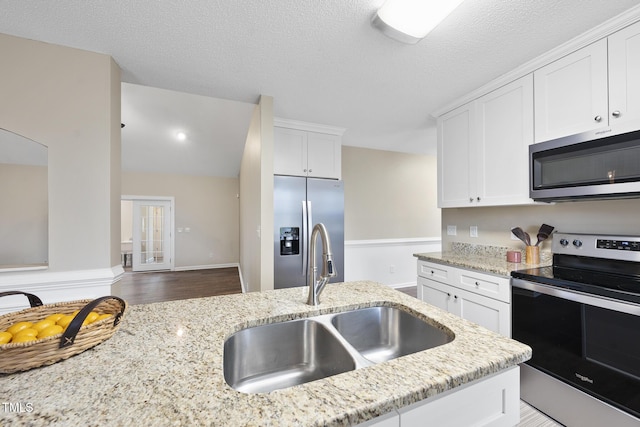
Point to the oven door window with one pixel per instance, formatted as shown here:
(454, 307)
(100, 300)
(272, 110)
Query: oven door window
(591, 348)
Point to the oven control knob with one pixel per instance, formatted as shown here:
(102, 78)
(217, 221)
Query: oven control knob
(577, 243)
(564, 243)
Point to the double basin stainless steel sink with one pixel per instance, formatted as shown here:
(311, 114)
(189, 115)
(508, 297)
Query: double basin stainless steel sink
(280, 355)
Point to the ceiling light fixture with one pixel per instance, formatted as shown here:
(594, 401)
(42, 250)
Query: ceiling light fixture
(409, 21)
(181, 136)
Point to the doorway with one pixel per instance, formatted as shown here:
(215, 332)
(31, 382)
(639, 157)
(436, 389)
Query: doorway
(147, 233)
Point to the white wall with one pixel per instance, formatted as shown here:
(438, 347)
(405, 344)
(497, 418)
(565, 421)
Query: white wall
(387, 261)
(390, 214)
(208, 206)
(256, 201)
(23, 215)
(69, 100)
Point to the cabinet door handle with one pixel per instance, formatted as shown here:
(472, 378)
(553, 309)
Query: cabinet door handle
(304, 170)
(616, 113)
(477, 284)
(310, 170)
(470, 199)
(478, 198)
(448, 295)
(432, 273)
(455, 297)
(598, 118)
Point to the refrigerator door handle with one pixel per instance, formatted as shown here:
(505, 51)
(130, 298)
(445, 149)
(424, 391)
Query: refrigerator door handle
(305, 237)
(307, 242)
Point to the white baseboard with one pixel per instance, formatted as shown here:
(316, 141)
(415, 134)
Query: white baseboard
(206, 267)
(58, 286)
(387, 261)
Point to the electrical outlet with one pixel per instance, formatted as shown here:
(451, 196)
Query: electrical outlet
(473, 231)
(392, 269)
(451, 230)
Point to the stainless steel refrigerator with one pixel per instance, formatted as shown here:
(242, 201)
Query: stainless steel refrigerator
(300, 203)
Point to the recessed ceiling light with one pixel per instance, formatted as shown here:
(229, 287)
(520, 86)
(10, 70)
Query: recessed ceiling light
(181, 136)
(409, 21)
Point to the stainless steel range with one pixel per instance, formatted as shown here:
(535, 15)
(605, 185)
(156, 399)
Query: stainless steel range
(581, 317)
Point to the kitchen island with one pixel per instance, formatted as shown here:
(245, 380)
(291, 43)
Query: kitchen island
(165, 367)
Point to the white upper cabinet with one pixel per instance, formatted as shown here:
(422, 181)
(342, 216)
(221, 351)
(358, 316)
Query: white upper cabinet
(593, 88)
(289, 152)
(505, 131)
(324, 155)
(299, 151)
(454, 156)
(624, 78)
(571, 93)
(483, 149)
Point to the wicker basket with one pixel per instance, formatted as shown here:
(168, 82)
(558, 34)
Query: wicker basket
(75, 339)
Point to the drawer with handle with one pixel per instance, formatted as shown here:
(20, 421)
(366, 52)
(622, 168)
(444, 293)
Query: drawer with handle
(484, 284)
(434, 271)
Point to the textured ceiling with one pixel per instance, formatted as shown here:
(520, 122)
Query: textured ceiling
(322, 61)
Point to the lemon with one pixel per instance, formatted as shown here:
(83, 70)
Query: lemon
(103, 316)
(91, 317)
(5, 337)
(26, 332)
(55, 317)
(43, 324)
(49, 331)
(23, 338)
(65, 320)
(17, 327)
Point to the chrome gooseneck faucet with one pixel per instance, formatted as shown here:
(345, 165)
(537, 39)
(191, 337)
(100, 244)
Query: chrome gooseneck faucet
(328, 269)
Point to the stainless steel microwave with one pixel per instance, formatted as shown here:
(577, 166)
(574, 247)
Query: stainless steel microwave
(585, 166)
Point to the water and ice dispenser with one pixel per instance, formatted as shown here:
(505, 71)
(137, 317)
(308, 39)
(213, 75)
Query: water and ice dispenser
(289, 240)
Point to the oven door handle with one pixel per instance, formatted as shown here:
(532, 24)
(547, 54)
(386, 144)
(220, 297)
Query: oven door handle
(579, 297)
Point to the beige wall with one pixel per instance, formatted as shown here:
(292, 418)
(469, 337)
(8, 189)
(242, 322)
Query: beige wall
(256, 200)
(389, 195)
(68, 100)
(207, 205)
(23, 214)
(494, 223)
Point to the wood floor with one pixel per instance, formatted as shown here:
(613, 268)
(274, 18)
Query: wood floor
(144, 288)
(148, 287)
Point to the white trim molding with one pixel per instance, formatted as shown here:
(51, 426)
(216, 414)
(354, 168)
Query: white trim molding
(309, 127)
(206, 267)
(60, 286)
(387, 261)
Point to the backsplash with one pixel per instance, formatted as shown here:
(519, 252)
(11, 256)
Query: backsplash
(479, 250)
(494, 223)
(471, 250)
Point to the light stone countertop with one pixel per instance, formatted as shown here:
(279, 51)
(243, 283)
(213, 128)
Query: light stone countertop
(485, 259)
(164, 367)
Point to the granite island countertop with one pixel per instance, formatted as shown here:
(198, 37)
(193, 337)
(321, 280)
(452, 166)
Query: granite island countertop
(485, 259)
(165, 367)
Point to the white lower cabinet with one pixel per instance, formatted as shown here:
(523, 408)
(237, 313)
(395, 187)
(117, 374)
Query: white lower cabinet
(492, 402)
(392, 419)
(480, 298)
(487, 312)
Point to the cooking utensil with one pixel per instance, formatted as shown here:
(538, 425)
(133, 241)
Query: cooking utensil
(520, 234)
(543, 233)
(528, 237)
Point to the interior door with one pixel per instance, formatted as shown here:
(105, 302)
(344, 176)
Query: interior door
(152, 246)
